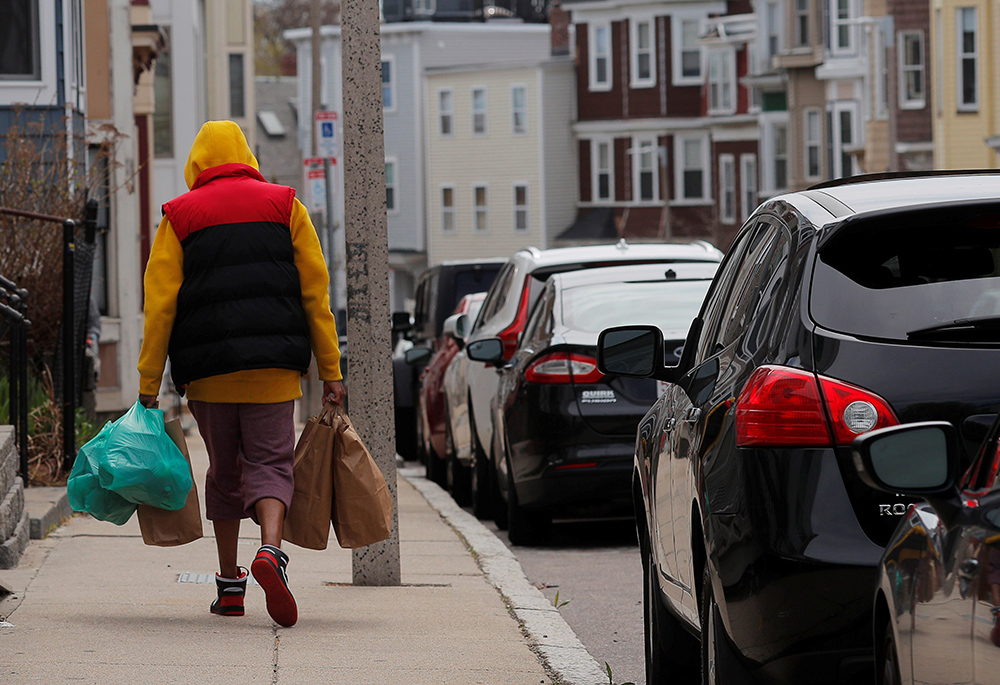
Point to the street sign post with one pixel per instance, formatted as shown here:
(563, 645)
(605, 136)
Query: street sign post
(314, 174)
(327, 140)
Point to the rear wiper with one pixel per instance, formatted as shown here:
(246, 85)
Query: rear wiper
(976, 323)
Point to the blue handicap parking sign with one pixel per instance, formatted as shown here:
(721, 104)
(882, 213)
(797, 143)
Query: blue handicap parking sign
(327, 129)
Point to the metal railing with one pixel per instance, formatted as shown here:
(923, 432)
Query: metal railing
(14, 317)
(71, 343)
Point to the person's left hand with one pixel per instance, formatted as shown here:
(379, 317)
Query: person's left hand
(149, 401)
(335, 392)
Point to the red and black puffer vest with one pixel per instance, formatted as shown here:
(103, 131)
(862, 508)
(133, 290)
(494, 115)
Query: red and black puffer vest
(240, 303)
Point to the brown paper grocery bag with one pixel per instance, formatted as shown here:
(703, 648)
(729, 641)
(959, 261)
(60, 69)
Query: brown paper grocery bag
(165, 528)
(362, 506)
(307, 522)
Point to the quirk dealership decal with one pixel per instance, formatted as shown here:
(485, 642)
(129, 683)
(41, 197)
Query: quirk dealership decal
(598, 397)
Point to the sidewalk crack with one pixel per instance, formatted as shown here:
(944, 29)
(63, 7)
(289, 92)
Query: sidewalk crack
(274, 657)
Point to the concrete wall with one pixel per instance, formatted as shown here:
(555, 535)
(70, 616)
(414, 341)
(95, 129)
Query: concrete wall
(14, 528)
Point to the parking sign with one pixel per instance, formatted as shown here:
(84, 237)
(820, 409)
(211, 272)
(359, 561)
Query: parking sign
(326, 134)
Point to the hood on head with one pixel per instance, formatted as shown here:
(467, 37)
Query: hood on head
(218, 142)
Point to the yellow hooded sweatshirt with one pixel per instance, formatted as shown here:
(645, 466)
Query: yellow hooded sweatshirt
(223, 142)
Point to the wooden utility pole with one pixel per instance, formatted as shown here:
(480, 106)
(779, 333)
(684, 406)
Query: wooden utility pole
(369, 356)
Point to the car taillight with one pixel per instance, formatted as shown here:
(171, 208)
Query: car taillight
(509, 334)
(563, 367)
(782, 406)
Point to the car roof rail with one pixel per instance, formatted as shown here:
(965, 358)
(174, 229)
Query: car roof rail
(705, 245)
(533, 251)
(894, 175)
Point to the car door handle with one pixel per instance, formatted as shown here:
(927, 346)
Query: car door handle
(693, 414)
(669, 425)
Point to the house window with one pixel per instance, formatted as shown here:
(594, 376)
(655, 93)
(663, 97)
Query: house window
(644, 154)
(968, 59)
(802, 23)
(687, 52)
(841, 26)
(448, 209)
(911, 70)
(237, 98)
(479, 111)
(844, 122)
(163, 112)
(692, 183)
(600, 58)
(643, 57)
(521, 207)
(780, 158)
(446, 111)
(388, 87)
(773, 20)
(603, 174)
(19, 56)
(721, 82)
(812, 139)
(748, 183)
(727, 189)
(390, 185)
(480, 200)
(519, 108)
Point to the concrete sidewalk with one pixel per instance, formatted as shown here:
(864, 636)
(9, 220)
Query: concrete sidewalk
(91, 603)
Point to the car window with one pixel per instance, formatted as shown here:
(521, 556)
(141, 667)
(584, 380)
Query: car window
(982, 475)
(773, 277)
(497, 295)
(669, 304)
(892, 278)
(716, 298)
(473, 280)
(539, 322)
(747, 285)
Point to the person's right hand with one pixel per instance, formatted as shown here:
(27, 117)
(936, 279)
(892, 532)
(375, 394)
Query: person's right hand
(335, 391)
(149, 401)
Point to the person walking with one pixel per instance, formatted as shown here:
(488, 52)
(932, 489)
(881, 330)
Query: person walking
(237, 296)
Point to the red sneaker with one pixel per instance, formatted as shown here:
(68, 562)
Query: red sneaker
(268, 568)
(231, 593)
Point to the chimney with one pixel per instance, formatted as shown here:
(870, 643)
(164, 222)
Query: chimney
(559, 23)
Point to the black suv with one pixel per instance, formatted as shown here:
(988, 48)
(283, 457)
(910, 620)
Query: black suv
(438, 291)
(850, 306)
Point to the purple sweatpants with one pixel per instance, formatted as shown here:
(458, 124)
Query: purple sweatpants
(251, 449)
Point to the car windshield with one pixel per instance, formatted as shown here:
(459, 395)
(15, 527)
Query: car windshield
(671, 305)
(933, 278)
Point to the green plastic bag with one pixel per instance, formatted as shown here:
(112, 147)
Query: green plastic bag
(133, 461)
(84, 486)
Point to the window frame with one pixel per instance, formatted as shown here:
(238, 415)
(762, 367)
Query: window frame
(961, 56)
(748, 169)
(450, 113)
(809, 143)
(641, 145)
(521, 207)
(635, 80)
(484, 208)
(35, 58)
(836, 23)
(393, 186)
(447, 210)
(595, 169)
(706, 168)
(905, 101)
(241, 95)
(514, 109)
(726, 86)
(391, 61)
(593, 84)
(727, 159)
(801, 20)
(484, 113)
(773, 24)
(678, 49)
(837, 111)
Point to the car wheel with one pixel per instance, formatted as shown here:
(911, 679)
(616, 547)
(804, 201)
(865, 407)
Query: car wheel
(671, 652)
(524, 527)
(482, 501)
(889, 669)
(718, 662)
(436, 467)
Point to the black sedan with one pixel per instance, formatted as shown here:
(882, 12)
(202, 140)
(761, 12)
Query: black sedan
(939, 581)
(564, 432)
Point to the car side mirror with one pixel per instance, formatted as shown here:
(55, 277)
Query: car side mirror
(401, 322)
(634, 351)
(455, 327)
(915, 459)
(417, 355)
(488, 350)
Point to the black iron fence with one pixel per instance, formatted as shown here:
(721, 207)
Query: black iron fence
(14, 319)
(77, 269)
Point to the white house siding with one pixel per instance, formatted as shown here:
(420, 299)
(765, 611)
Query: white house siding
(560, 166)
(402, 144)
(499, 160)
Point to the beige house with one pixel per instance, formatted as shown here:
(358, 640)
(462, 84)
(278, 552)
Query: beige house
(966, 71)
(501, 165)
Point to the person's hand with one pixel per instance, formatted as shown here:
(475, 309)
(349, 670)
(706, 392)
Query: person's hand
(335, 392)
(149, 401)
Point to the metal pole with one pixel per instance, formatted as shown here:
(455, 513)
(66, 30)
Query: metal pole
(22, 405)
(68, 348)
(369, 363)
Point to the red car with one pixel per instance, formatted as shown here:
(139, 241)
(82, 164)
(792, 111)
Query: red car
(432, 411)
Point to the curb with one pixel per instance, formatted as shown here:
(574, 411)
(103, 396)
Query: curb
(560, 649)
(46, 508)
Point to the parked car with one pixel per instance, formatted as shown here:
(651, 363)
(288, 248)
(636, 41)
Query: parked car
(938, 593)
(841, 309)
(565, 432)
(438, 291)
(432, 413)
(503, 316)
